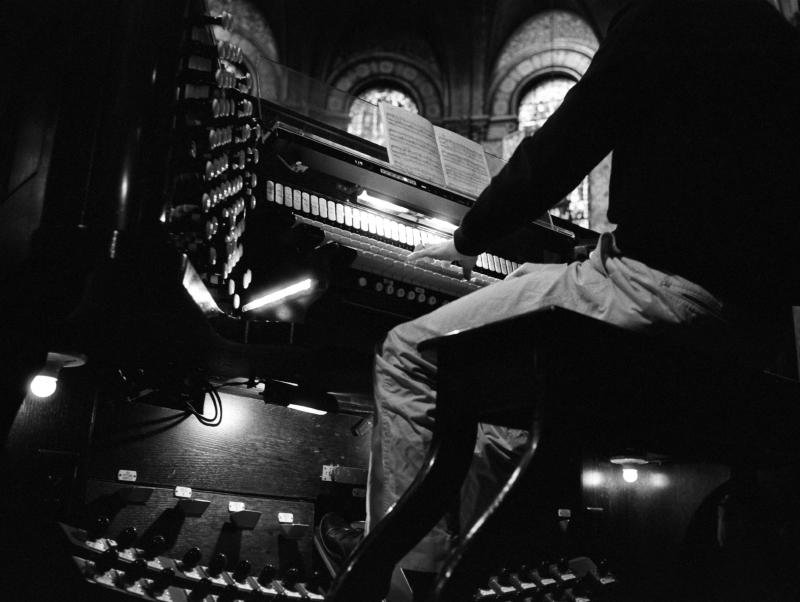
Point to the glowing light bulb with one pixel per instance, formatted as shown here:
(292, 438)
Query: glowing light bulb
(630, 475)
(45, 382)
(43, 385)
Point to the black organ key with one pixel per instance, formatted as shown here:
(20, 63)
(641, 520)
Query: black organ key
(126, 538)
(241, 571)
(218, 564)
(201, 589)
(162, 581)
(99, 527)
(267, 575)
(106, 560)
(155, 546)
(134, 571)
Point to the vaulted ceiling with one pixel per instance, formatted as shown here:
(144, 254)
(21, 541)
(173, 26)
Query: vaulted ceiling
(454, 43)
(312, 34)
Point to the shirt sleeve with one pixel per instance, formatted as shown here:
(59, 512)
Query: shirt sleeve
(546, 166)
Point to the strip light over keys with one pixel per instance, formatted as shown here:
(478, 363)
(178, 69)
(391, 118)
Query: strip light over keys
(381, 204)
(279, 295)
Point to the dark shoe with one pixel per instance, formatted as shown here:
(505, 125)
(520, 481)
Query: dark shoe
(338, 537)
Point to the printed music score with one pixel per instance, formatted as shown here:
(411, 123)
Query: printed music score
(434, 154)
(463, 162)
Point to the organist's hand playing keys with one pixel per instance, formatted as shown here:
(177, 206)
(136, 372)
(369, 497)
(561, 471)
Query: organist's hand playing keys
(445, 251)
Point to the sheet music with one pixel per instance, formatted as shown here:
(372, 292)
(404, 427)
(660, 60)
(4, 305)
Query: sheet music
(411, 143)
(463, 161)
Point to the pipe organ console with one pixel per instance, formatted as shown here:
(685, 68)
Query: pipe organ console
(251, 238)
(344, 188)
(236, 153)
(323, 200)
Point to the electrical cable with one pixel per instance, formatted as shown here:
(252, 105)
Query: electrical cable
(216, 401)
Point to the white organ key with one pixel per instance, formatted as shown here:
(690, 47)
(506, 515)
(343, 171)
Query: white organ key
(416, 237)
(340, 213)
(270, 191)
(287, 196)
(323, 208)
(314, 204)
(373, 227)
(401, 231)
(306, 200)
(297, 200)
(331, 211)
(356, 219)
(348, 216)
(394, 230)
(279, 193)
(410, 230)
(490, 263)
(499, 263)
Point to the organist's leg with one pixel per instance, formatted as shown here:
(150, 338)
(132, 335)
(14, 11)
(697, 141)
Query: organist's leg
(609, 287)
(405, 398)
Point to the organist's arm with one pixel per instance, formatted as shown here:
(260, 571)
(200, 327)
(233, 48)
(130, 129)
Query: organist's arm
(548, 165)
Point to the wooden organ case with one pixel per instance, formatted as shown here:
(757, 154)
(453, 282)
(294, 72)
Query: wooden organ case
(213, 246)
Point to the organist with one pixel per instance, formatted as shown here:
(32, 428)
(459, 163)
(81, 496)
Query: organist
(698, 106)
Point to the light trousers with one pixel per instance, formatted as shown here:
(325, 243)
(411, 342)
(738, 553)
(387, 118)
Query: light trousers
(607, 286)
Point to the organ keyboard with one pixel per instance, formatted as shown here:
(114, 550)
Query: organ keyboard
(344, 188)
(382, 242)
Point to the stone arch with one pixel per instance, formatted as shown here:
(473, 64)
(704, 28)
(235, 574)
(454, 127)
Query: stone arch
(550, 42)
(508, 87)
(408, 74)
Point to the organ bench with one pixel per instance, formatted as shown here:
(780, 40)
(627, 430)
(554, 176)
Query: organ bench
(618, 390)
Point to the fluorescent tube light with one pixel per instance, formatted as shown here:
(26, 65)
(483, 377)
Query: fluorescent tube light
(380, 203)
(279, 295)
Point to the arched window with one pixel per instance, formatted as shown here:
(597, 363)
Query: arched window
(363, 116)
(537, 104)
(543, 58)
(542, 100)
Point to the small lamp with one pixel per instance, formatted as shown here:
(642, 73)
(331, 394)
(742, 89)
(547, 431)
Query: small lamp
(45, 382)
(629, 463)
